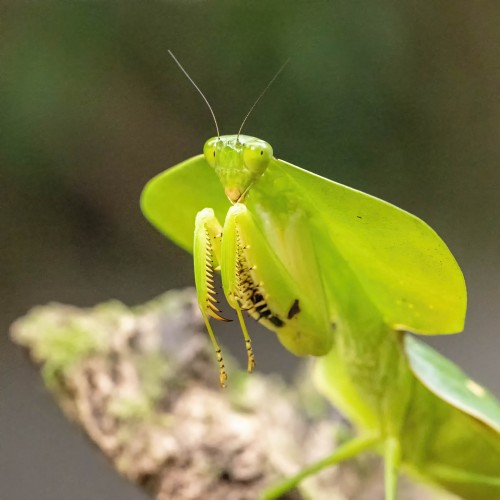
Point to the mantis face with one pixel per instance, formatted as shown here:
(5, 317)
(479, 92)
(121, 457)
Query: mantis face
(238, 161)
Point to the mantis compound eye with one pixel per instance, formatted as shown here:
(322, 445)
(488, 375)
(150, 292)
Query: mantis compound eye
(257, 155)
(210, 151)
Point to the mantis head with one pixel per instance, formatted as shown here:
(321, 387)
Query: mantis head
(238, 161)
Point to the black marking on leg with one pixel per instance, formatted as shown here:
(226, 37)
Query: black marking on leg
(260, 308)
(264, 314)
(294, 310)
(276, 321)
(250, 292)
(257, 297)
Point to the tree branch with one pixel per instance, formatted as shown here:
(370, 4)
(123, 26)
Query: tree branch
(142, 383)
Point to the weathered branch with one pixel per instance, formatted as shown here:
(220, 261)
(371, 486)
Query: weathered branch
(142, 384)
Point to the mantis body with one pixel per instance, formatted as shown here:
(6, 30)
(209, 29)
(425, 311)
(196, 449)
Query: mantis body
(341, 275)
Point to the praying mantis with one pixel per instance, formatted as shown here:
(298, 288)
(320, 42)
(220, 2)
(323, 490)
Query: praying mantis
(342, 276)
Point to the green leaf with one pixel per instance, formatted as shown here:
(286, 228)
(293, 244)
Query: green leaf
(449, 382)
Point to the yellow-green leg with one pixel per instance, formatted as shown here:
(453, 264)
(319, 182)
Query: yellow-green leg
(392, 460)
(218, 352)
(453, 475)
(206, 253)
(207, 259)
(345, 451)
(248, 342)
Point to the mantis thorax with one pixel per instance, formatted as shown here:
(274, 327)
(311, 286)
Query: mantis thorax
(238, 161)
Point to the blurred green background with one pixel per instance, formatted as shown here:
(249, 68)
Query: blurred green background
(398, 99)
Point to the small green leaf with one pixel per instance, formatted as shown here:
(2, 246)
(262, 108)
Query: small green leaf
(445, 379)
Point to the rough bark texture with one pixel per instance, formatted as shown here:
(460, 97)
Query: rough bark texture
(143, 384)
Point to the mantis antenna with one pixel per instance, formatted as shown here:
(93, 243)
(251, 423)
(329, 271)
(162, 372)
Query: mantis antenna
(261, 95)
(201, 93)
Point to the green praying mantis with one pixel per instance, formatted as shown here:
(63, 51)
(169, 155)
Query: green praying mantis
(343, 276)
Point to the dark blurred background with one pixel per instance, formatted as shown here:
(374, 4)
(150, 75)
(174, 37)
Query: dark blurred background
(398, 99)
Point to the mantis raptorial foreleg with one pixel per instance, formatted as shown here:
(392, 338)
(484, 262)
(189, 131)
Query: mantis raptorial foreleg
(207, 259)
(206, 252)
